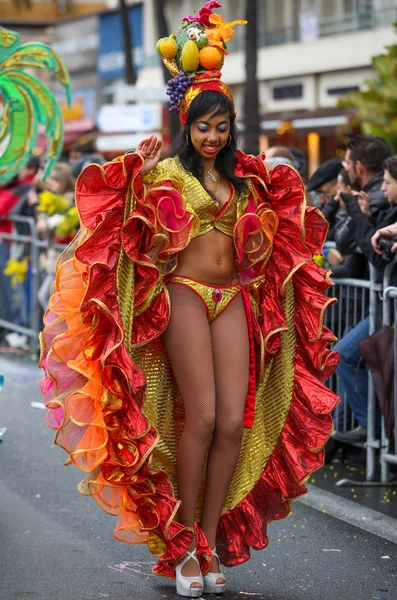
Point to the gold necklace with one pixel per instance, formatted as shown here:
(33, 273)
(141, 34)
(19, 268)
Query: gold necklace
(216, 191)
(210, 175)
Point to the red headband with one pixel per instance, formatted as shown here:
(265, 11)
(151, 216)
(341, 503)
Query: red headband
(209, 81)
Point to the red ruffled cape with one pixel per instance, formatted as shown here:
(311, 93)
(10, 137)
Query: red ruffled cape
(108, 309)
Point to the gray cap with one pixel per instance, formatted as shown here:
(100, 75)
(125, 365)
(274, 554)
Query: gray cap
(328, 171)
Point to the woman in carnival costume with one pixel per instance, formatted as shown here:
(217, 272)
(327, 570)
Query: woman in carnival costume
(185, 345)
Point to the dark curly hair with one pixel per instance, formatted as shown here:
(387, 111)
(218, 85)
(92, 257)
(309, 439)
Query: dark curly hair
(214, 103)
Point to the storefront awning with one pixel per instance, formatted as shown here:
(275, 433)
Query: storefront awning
(73, 130)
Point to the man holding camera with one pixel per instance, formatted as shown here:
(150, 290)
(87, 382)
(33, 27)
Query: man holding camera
(384, 241)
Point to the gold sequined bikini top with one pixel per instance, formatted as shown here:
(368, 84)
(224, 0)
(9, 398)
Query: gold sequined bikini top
(197, 199)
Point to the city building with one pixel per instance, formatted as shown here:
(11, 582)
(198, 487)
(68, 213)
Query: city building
(310, 53)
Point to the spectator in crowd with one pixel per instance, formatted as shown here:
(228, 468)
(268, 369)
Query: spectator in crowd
(353, 377)
(334, 210)
(363, 162)
(389, 187)
(82, 155)
(27, 203)
(278, 155)
(299, 161)
(322, 184)
(83, 148)
(351, 264)
(55, 210)
(386, 232)
(10, 195)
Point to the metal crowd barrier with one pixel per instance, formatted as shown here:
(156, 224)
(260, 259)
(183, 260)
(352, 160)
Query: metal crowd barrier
(389, 444)
(357, 299)
(32, 248)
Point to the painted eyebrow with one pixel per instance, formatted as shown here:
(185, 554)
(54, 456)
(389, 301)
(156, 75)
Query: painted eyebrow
(208, 123)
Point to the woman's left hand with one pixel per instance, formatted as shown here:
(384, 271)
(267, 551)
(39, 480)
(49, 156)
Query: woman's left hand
(150, 150)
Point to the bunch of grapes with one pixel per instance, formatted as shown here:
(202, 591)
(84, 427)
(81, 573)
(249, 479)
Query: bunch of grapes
(176, 90)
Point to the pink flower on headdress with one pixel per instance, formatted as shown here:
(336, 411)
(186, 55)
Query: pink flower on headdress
(202, 17)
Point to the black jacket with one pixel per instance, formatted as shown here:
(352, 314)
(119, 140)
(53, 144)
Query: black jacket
(377, 200)
(355, 266)
(345, 238)
(363, 227)
(331, 210)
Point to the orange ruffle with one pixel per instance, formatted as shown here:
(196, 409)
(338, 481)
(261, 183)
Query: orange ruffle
(94, 390)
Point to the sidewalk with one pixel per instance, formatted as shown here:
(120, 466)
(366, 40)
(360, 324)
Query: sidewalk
(381, 498)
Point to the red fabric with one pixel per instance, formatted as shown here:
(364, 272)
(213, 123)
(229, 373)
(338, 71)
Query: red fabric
(251, 396)
(8, 199)
(113, 435)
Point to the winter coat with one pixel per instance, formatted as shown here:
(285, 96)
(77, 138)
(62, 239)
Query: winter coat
(363, 227)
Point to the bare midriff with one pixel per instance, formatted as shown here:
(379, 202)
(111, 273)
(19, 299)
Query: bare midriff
(209, 258)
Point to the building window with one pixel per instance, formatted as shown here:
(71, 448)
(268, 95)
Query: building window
(339, 91)
(288, 92)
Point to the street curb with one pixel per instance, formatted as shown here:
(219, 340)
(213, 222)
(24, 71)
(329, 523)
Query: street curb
(350, 512)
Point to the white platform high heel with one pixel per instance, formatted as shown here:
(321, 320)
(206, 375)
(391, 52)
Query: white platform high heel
(183, 584)
(210, 585)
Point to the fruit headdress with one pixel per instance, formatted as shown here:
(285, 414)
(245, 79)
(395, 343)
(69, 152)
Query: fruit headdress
(195, 56)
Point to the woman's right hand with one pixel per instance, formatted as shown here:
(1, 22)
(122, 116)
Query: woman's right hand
(150, 150)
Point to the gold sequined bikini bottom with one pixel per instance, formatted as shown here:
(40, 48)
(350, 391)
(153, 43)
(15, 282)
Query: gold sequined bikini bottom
(215, 297)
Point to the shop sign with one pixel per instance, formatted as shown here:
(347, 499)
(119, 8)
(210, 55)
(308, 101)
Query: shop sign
(122, 142)
(111, 58)
(117, 118)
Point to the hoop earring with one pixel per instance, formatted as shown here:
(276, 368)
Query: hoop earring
(187, 139)
(229, 140)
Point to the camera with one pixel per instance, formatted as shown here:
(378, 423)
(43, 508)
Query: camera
(385, 245)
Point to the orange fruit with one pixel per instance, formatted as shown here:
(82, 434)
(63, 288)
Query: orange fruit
(210, 57)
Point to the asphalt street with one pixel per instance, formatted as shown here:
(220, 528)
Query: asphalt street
(58, 545)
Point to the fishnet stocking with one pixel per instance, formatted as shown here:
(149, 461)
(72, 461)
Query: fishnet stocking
(187, 341)
(211, 367)
(230, 351)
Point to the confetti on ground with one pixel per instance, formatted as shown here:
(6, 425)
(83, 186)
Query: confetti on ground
(331, 550)
(38, 405)
(386, 557)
